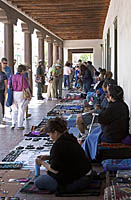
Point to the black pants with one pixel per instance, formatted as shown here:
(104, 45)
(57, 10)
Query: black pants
(2, 100)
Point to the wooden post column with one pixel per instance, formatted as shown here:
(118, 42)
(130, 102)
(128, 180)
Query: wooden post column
(9, 22)
(55, 52)
(50, 51)
(28, 48)
(61, 52)
(41, 50)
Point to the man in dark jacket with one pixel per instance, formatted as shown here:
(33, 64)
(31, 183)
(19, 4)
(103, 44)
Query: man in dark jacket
(115, 119)
(40, 75)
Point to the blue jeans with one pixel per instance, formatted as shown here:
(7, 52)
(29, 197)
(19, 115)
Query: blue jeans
(39, 90)
(87, 86)
(78, 185)
(47, 182)
(66, 81)
(44, 182)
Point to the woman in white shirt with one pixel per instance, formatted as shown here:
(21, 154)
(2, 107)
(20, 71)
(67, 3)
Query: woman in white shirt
(67, 72)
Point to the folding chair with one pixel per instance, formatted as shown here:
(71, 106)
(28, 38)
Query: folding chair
(92, 122)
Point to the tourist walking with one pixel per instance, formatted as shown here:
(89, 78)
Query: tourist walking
(3, 88)
(67, 72)
(6, 68)
(19, 85)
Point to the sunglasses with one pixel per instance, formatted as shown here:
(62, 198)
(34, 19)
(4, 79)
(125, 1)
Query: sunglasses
(5, 63)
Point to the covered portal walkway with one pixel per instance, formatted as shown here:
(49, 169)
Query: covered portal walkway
(103, 26)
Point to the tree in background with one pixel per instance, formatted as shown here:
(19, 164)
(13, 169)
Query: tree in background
(84, 57)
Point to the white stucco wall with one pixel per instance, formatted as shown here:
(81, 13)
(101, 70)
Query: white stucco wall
(80, 44)
(122, 10)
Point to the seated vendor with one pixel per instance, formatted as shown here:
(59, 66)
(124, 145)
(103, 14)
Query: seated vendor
(114, 123)
(67, 161)
(84, 119)
(115, 119)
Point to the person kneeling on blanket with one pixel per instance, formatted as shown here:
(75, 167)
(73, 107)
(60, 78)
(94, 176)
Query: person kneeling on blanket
(114, 123)
(68, 170)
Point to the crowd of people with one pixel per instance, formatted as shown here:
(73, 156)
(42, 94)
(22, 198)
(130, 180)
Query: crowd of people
(69, 169)
(83, 74)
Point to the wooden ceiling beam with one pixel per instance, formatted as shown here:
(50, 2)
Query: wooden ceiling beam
(84, 37)
(61, 7)
(75, 32)
(65, 17)
(94, 24)
(74, 27)
(71, 14)
(59, 2)
(61, 22)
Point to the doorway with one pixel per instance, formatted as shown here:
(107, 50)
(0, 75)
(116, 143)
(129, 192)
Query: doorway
(108, 52)
(115, 50)
(75, 54)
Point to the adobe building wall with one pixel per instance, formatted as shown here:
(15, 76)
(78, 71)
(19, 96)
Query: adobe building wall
(122, 10)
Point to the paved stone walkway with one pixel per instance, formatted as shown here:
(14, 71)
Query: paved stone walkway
(10, 138)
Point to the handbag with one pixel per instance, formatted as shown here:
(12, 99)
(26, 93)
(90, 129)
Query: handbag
(9, 100)
(26, 94)
(44, 89)
(38, 79)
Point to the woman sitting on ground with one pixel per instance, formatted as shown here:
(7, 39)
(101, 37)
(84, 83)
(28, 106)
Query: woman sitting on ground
(115, 119)
(68, 164)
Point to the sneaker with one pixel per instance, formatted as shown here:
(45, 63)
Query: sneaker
(54, 99)
(84, 137)
(79, 136)
(49, 99)
(40, 98)
(28, 115)
(21, 128)
(12, 127)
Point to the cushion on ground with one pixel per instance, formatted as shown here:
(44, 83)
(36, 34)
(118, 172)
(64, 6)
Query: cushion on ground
(113, 145)
(116, 164)
(31, 188)
(93, 189)
(113, 151)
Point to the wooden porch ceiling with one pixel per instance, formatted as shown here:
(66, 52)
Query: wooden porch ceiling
(68, 19)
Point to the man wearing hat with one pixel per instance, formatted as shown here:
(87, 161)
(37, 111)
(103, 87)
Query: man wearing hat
(56, 72)
(40, 75)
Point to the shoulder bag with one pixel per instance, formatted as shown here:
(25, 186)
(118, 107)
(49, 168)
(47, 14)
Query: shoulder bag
(9, 100)
(26, 94)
